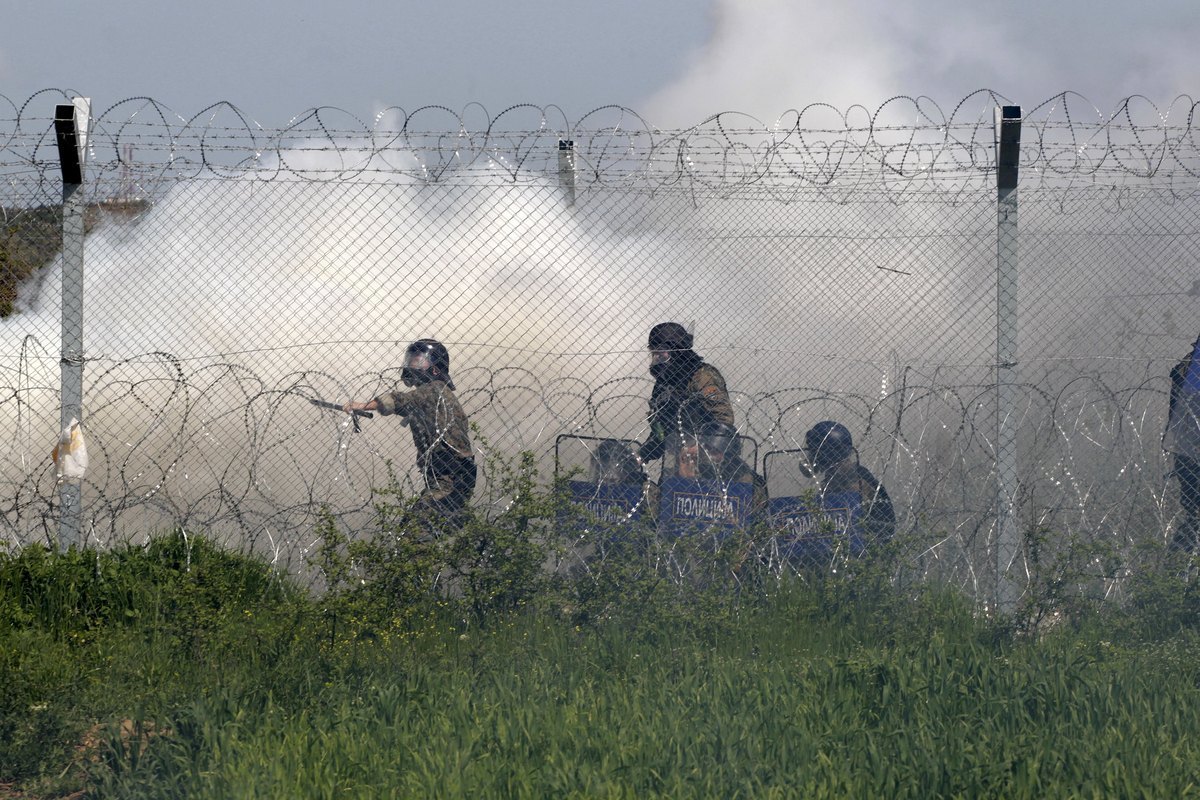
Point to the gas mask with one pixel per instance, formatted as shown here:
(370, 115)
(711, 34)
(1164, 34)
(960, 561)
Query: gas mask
(416, 369)
(660, 363)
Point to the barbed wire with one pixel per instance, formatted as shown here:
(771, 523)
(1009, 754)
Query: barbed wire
(905, 139)
(838, 264)
(265, 469)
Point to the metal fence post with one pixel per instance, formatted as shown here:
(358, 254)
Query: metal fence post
(70, 127)
(566, 169)
(1008, 141)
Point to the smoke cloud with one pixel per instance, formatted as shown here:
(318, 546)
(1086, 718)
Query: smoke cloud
(768, 56)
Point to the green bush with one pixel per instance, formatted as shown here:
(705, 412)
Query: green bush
(533, 653)
(85, 632)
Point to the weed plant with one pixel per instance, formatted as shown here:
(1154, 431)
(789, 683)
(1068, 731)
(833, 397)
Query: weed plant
(533, 653)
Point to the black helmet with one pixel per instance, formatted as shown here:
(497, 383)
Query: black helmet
(670, 351)
(720, 441)
(828, 443)
(426, 360)
(669, 336)
(613, 462)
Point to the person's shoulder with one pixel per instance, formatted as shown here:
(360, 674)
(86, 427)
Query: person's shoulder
(442, 391)
(868, 477)
(424, 393)
(708, 375)
(399, 394)
(863, 472)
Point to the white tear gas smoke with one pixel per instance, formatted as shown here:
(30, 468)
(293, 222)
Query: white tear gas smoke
(212, 320)
(767, 56)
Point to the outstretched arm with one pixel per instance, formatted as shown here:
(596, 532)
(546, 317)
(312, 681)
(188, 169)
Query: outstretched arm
(358, 412)
(368, 405)
(355, 413)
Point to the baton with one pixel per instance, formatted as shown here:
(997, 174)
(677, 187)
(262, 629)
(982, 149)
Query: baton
(354, 415)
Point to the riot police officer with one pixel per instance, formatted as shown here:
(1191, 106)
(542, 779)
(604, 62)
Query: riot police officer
(1182, 439)
(719, 458)
(831, 452)
(688, 393)
(440, 432)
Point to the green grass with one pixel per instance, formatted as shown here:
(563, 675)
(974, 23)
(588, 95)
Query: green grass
(177, 670)
(29, 239)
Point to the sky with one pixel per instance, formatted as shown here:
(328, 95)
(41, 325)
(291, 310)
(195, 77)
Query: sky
(674, 61)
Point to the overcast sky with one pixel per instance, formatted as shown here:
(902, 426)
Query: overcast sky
(674, 61)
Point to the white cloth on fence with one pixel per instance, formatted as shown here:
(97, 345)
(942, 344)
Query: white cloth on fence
(70, 454)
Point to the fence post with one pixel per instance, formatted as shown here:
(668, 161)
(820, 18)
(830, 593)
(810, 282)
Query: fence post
(70, 128)
(566, 169)
(1008, 150)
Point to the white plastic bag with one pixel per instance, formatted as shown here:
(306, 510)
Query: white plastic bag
(70, 454)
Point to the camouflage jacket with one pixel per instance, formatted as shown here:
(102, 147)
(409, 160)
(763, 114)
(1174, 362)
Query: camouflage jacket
(438, 423)
(686, 409)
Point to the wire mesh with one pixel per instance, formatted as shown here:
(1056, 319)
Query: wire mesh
(835, 265)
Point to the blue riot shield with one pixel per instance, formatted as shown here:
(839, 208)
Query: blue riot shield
(816, 530)
(608, 504)
(708, 484)
(689, 506)
(602, 479)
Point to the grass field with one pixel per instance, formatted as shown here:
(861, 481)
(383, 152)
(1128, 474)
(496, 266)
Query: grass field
(178, 670)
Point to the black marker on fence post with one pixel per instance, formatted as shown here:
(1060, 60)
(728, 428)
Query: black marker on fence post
(1008, 153)
(70, 130)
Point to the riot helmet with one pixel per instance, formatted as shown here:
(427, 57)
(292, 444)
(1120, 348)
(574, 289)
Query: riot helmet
(426, 360)
(669, 336)
(667, 341)
(614, 463)
(828, 443)
(720, 442)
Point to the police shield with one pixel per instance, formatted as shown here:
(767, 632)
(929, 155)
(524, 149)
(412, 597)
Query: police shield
(810, 528)
(602, 478)
(708, 484)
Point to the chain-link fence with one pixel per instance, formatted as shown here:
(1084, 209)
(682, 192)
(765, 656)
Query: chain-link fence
(845, 266)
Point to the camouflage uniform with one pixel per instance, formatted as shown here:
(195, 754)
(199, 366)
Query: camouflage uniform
(686, 409)
(878, 520)
(440, 434)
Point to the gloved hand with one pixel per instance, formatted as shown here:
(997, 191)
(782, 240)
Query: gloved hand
(636, 452)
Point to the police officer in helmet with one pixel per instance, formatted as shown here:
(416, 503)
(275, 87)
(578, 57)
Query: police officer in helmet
(612, 464)
(688, 393)
(440, 432)
(719, 458)
(830, 450)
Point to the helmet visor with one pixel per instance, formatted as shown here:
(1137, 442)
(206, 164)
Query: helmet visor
(716, 447)
(417, 360)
